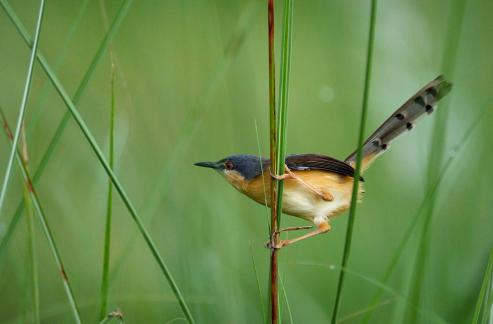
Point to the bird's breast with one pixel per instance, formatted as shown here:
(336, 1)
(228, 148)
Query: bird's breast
(300, 200)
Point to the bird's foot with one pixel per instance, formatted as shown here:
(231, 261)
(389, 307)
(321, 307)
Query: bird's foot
(288, 175)
(273, 246)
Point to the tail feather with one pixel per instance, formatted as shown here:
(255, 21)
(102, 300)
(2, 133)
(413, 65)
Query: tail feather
(401, 120)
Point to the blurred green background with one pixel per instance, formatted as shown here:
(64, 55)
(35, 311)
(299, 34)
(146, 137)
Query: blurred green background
(191, 85)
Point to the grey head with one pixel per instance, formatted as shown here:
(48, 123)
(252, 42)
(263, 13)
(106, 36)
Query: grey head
(248, 166)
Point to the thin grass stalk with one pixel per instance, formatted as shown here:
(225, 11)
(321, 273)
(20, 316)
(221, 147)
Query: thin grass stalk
(119, 188)
(484, 304)
(278, 132)
(61, 55)
(121, 191)
(109, 206)
(259, 290)
(80, 90)
(282, 118)
(274, 236)
(201, 107)
(31, 247)
(190, 127)
(355, 192)
(25, 96)
(286, 300)
(45, 226)
(435, 160)
(31, 239)
(267, 212)
(430, 317)
(430, 195)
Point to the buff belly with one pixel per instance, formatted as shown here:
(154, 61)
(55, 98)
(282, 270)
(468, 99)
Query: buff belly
(299, 200)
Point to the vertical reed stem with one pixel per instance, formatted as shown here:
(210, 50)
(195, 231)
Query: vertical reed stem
(354, 196)
(274, 271)
(109, 206)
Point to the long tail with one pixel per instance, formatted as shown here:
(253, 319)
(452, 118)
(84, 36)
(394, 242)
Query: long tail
(402, 120)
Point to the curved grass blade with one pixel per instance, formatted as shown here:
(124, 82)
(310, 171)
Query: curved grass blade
(22, 109)
(121, 191)
(280, 141)
(484, 305)
(354, 196)
(232, 48)
(259, 290)
(431, 317)
(119, 188)
(418, 273)
(109, 206)
(286, 300)
(80, 90)
(45, 226)
(31, 239)
(430, 194)
(61, 55)
(282, 117)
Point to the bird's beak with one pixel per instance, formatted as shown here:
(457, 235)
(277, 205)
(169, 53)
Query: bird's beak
(212, 165)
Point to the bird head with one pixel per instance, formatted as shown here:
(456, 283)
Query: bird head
(237, 169)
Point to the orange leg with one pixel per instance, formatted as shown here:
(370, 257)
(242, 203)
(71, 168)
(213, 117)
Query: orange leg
(322, 228)
(294, 228)
(327, 196)
(270, 243)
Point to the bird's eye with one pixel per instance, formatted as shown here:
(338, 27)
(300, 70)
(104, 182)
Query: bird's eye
(228, 165)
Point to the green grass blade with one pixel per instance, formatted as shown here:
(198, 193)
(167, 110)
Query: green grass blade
(22, 109)
(282, 110)
(119, 188)
(430, 194)
(193, 119)
(259, 150)
(31, 239)
(260, 297)
(202, 106)
(286, 300)
(484, 305)
(435, 160)
(31, 242)
(61, 55)
(45, 226)
(109, 206)
(354, 196)
(430, 317)
(80, 90)
(282, 116)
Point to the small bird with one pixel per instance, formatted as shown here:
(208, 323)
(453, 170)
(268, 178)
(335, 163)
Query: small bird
(319, 187)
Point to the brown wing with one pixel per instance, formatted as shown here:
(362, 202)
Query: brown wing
(300, 162)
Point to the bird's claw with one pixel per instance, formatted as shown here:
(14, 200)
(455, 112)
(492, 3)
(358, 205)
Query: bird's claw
(272, 246)
(281, 177)
(288, 175)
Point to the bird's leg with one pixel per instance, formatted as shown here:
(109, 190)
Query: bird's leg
(294, 228)
(270, 243)
(321, 228)
(327, 196)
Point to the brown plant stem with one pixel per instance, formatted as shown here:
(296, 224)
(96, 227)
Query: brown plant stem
(274, 236)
